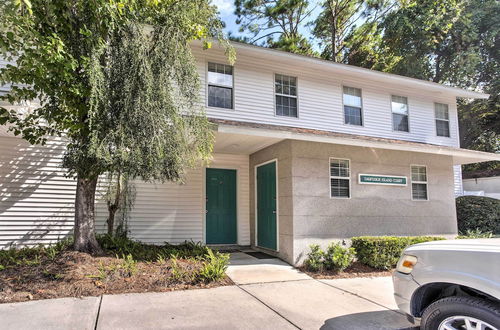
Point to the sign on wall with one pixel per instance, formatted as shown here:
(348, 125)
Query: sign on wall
(389, 180)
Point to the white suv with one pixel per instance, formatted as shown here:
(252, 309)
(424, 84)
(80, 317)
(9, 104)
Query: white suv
(451, 284)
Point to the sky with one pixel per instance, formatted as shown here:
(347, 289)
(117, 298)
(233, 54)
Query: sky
(226, 11)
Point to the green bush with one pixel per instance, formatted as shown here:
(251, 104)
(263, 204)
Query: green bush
(214, 266)
(119, 245)
(338, 258)
(383, 252)
(478, 213)
(32, 255)
(314, 260)
(475, 234)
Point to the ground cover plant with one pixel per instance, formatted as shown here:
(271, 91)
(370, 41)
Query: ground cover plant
(124, 266)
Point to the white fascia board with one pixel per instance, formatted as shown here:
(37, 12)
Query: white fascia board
(364, 73)
(460, 156)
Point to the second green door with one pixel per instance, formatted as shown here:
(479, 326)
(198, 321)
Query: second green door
(220, 206)
(266, 206)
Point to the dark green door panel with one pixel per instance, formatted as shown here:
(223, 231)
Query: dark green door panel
(221, 206)
(266, 206)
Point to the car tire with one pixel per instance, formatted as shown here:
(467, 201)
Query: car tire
(444, 309)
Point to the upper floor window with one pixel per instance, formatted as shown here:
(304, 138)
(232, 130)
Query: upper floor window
(285, 90)
(340, 178)
(442, 119)
(419, 183)
(352, 106)
(220, 85)
(399, 106)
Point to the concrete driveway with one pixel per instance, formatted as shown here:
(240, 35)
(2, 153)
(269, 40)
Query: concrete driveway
(295, 301)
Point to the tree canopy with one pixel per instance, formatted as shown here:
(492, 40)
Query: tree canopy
(275, 23)
(117, 79)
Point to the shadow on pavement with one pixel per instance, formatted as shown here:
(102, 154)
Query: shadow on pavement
(378, 320)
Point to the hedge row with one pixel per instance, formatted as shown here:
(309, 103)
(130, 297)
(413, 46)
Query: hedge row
(383, 252)
(478, 214)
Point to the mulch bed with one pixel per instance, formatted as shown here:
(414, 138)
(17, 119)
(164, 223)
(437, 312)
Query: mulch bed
(76, 274)
(355, 270)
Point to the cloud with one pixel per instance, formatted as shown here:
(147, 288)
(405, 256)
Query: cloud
(226, 7)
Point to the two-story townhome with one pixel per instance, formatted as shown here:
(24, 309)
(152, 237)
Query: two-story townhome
(307, 151)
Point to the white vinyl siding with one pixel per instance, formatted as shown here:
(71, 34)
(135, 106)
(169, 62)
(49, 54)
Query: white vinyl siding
(172, 212)
(321, 92)
(419, 189)
(340, 178)
(37, 200)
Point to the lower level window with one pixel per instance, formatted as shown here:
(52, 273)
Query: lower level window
(340, 178)
(419, 183)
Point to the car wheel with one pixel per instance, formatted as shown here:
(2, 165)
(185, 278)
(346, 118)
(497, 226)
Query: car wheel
(454, 313)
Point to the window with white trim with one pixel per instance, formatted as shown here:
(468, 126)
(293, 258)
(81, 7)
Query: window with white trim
(353, 113)
(220, 85)
(399, 106)
(285, 91)
(419, 183)
(340, 178)
(442, 119)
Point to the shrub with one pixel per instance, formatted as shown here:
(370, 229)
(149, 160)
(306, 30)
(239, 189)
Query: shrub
(338, 258)
(475, 234)
(478, 213)
(314, 261)
(120, 245)
(214, 266)
(383, 252)
(32, 255)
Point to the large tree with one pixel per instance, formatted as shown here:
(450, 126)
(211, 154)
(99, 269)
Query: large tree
(338, 24)
(455, 42)
(117, 79)
(275, 23)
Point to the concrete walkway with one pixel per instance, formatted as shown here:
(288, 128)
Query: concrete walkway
(282, 299)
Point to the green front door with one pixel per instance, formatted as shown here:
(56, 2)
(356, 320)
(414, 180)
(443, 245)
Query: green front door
(221, 206)
(266, 206)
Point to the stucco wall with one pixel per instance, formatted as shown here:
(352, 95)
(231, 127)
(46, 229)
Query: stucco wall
(372, 209)
(282, 153)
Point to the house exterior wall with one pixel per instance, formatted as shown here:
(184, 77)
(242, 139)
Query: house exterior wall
(372, 209)
(309, 215)
(37, 200)
(320, 98)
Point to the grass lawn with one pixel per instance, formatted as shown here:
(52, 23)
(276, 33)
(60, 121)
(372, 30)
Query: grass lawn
(124, 266)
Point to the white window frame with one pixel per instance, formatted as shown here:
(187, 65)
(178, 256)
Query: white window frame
(446, 120)
(420, 182)
(330, 177)
(296, 96)
(362, 107)
(407, 113)
(217, 85)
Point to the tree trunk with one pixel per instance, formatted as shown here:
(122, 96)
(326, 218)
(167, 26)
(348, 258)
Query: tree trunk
(84, 235)
(113, 207)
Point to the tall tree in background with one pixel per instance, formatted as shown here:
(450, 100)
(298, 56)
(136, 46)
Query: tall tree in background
(339, 23)
(275, 22)
(454, 42)
(117, 79)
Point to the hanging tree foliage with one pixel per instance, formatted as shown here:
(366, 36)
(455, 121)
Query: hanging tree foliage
(117, 79)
